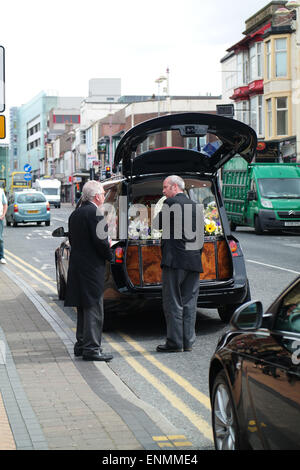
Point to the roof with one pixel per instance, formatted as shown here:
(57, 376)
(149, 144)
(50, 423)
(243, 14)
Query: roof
(243, 43)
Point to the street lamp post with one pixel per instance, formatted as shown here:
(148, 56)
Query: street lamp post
(72, 134)
(159, 80)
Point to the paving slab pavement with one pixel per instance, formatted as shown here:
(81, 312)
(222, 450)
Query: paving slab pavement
(50, 400)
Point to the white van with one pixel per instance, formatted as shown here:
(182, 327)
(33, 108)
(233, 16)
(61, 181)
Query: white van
(51, 188)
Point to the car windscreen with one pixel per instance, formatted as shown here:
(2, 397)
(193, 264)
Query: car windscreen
(50, 191)
(207, 145)
(30, 198)
(279, 188)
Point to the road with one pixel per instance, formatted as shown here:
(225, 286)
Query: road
(176, 384)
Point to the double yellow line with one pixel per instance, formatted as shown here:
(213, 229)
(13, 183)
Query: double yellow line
(195, 418)
(31, 270)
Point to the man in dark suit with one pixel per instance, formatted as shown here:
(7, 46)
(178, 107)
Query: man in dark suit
(182, 224)
(85, 282)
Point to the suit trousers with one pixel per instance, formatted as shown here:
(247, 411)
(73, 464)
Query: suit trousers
(180, 289)
(89, 328)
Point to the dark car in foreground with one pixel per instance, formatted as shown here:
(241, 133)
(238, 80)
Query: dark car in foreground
(194, 146)
(254, 377)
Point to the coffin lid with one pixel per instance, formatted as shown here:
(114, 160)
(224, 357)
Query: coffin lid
(235, 136)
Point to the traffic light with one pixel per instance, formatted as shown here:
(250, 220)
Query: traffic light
(107, 172)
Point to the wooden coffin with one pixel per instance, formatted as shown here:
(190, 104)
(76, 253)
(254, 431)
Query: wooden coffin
(143, 263)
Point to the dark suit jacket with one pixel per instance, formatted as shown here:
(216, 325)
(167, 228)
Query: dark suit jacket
(174, 251)
(86, 271)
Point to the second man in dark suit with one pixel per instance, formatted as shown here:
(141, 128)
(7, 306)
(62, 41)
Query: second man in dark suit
(182, 224)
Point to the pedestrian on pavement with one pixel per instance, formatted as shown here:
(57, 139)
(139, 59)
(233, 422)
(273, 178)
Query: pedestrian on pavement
(181, 264)
(3, 209)
(85, 281)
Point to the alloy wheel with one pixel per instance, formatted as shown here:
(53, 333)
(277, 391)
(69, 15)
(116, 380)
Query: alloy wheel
(224, 420)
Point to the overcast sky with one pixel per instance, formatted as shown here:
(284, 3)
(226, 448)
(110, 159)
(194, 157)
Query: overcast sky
(59, 45)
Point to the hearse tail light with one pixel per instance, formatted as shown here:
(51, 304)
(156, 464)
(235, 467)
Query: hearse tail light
(233, 248)
(16, 209)
(119, 254)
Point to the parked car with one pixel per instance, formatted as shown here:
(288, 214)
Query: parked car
(134, 277)
(254, 377)
(26, 207)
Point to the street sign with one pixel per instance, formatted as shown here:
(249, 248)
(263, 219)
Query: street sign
(27, 177)
(2, 127)
(2, 79)
(27, 168)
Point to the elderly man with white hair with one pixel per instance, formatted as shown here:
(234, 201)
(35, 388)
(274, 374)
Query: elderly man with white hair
(85, 282)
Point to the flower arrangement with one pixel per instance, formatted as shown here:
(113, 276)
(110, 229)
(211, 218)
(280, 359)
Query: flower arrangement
(212, 224)
(140, 228)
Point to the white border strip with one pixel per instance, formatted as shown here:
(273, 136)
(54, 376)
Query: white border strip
(272, 266)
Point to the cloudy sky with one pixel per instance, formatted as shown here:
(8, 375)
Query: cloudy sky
(59, 45)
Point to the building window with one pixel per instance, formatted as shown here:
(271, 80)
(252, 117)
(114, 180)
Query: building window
(259, 60)
(82, 137)
(239, 69)
(253, 113)
(255, 61)
(192, 144)
(268, 56)
(282, 115)
(281, 57)
(242, 111)
(246, 105)
(66, 118)
(230, 82)
(256, 114)
(269, 116)
(246, 67)
(260, 115)
(252, 62)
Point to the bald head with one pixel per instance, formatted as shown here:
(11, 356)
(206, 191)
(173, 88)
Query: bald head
(173, 185)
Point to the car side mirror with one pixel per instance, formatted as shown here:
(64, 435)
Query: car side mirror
(59, 232)
(248, 317)
(251, 195)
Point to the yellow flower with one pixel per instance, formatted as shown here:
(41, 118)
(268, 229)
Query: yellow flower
(210, 228)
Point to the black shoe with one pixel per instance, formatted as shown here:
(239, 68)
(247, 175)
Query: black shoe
(97, 357)
(165, 348)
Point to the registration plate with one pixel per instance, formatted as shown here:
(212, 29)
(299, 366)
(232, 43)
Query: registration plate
(292, 224)
(32, 212)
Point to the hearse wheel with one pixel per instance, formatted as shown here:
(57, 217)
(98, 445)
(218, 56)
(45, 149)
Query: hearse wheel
(61, 285)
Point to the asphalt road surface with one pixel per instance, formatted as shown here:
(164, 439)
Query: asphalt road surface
(176, 384)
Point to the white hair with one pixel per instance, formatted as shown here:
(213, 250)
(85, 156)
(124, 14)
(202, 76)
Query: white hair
(174, 179)
(90, 189)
